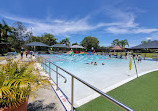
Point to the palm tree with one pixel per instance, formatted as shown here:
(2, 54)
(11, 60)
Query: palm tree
(65, 41)
(4, 31)
(1, 28)
(115, 42)
(123, 43)
(18, 80)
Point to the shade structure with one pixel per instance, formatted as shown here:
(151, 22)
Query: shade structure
(117, 47)
(59, 45)
(77, 47)
(148, 45)
(37, 44)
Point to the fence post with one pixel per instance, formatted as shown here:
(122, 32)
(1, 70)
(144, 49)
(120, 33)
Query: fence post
(72, 93)
(45, 65)
(49, 70)
(57, 77)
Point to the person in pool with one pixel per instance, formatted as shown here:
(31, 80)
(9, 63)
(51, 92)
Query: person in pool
(103, 64)
(95, 63)
(90, 63)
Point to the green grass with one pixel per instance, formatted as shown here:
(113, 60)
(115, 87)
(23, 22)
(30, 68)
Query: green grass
(140, 94)
(150, 55)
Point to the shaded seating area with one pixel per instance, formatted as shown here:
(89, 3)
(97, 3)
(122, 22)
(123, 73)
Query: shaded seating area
(36, 44)
(59, 48)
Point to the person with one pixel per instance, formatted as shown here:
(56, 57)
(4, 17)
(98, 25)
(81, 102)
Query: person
(21, 54)
(136, 56)
(120, 56)
(90, 63)
(126, 55)
(139, 58)
(95, 63)
(103, 64)
(109, 55)
(31, 53)
(144, 56)
(26, 53)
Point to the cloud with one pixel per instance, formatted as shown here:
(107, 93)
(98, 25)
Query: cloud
(123, 22)
(55, 26)
(120, 30)
(117, 30)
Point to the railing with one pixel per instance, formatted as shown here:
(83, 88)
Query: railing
(82, 81)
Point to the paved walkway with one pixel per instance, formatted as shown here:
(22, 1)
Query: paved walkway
(46, 99)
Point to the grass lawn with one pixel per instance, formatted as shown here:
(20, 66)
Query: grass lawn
(150, 55)
(140, 94)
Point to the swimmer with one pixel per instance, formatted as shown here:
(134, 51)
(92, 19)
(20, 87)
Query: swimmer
(103, 64)
(95, 63)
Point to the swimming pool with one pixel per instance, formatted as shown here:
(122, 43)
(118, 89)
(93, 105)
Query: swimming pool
(100, 76)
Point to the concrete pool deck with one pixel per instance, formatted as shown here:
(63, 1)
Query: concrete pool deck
(93, 96)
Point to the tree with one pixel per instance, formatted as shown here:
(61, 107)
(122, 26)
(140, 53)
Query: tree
(5, 31)
(65, 41)
(115, 42)
(48, 38)
(144, 42)
(75, 43)
(20, 30)
(122, 43)
(89, 42)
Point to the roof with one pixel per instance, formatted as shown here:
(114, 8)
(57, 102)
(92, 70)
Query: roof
(59, 45)
(117, 47)
(148, 45)
(77, 46)
(37, 44)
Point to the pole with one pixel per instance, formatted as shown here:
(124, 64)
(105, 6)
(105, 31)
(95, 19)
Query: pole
(45, 65)
(49, 70)
(135, 68)
(72, 93)
(57, 77)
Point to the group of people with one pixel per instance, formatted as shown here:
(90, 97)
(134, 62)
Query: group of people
(26, 53)
(95, 63)
(138, 57)
(116, 55)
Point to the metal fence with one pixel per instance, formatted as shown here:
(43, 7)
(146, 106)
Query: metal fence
(44, 61)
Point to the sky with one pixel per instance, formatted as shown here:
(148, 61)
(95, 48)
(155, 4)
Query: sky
(134, 20)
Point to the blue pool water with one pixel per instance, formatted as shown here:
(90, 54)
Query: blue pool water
(100, 76)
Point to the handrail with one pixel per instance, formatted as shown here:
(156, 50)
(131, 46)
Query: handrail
(91, 87)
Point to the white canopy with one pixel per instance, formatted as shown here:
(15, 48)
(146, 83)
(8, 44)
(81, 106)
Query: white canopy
(77, 46)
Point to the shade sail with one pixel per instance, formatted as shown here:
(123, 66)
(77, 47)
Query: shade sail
(37, 44)
(117, 47)
(59, 45)
(77, 46)
(148, 45)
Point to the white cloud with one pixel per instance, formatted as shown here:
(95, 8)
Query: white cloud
(123, 23)
(117, 30)
(120, 30)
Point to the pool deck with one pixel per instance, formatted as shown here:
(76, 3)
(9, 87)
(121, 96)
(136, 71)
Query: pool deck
(95, 95)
